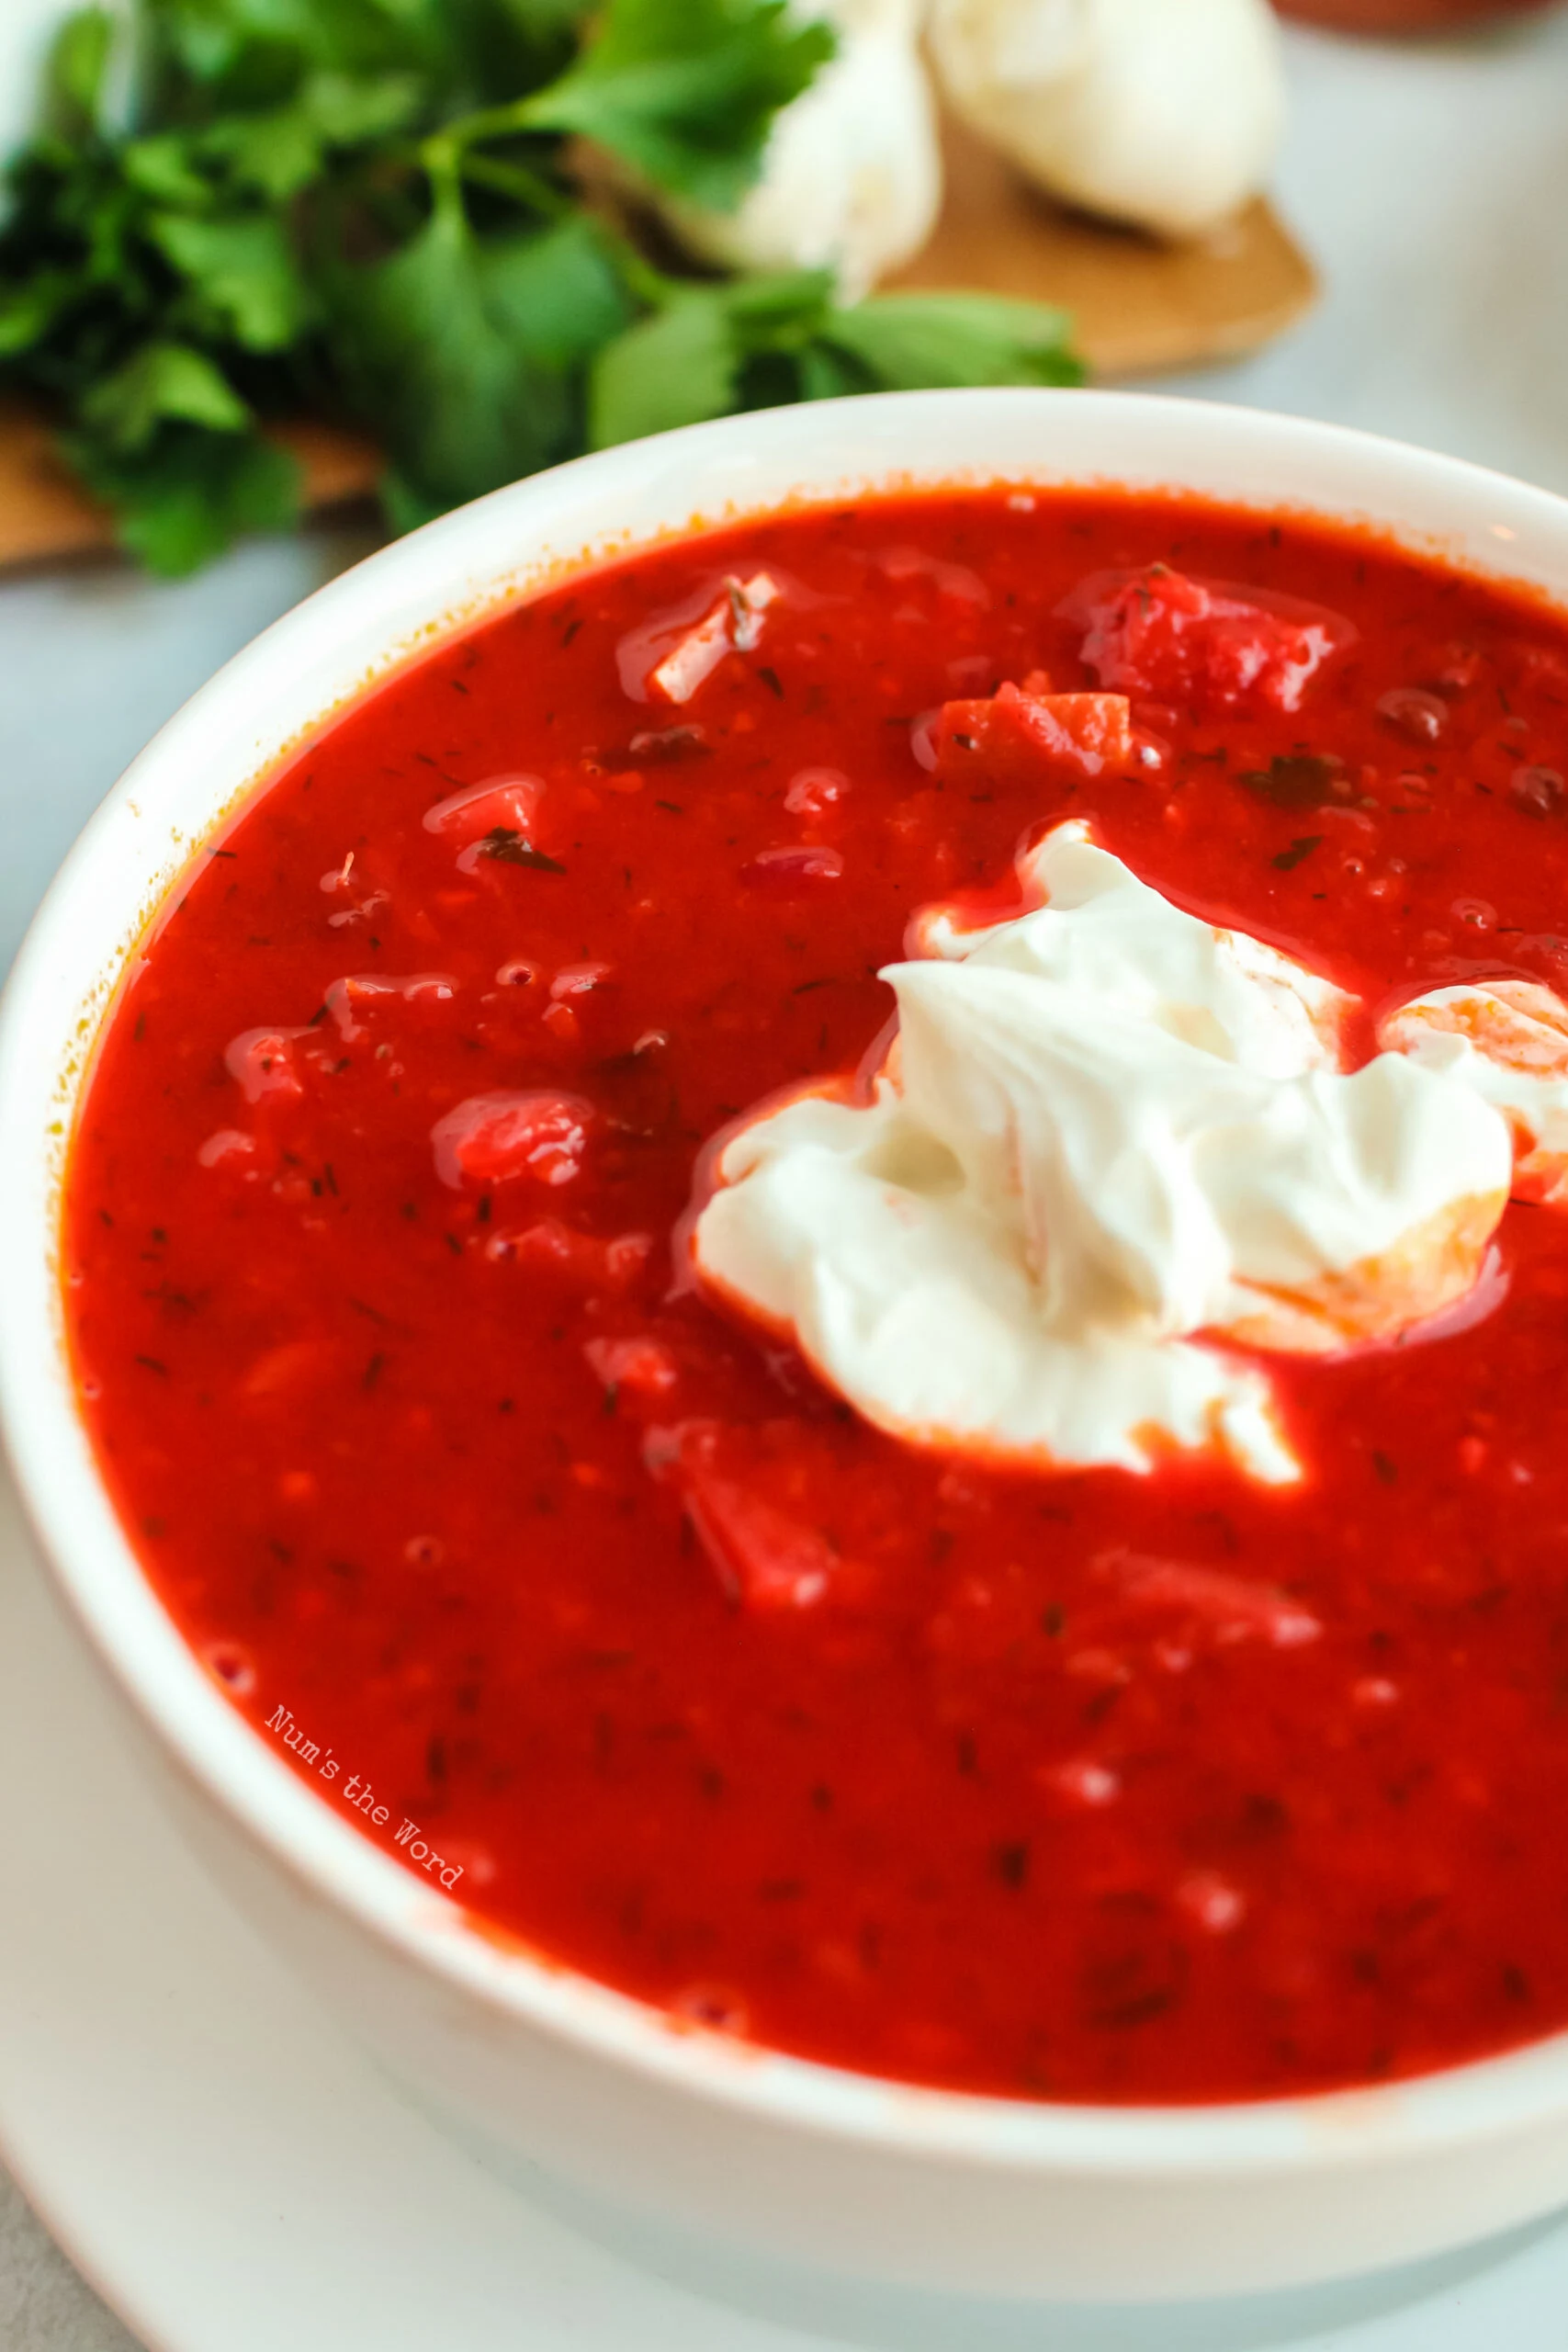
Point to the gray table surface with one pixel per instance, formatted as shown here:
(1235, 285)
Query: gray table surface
(1430, 182)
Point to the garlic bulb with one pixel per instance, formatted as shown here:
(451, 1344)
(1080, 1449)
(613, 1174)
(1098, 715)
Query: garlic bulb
(851, 178)
(1165, 113)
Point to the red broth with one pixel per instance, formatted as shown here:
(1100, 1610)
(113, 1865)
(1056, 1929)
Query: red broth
(394, 1440)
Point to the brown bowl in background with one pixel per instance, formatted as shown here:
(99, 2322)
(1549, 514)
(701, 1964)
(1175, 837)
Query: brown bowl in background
(1405, 16)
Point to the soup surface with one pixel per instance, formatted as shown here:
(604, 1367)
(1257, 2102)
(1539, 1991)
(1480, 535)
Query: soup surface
(399, 1406)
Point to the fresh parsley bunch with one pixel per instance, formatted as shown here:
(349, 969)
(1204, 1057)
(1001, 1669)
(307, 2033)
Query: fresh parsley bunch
(244, 210)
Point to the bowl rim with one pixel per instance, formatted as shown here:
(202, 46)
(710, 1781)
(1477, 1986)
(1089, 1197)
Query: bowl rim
(91, 1559)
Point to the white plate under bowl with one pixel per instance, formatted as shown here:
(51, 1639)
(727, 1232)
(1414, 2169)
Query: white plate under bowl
(234, 2176)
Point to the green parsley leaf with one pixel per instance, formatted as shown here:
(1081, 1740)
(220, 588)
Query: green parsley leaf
(272, 153)
(276, 152)
(189, 494)
(161, 381)
(700, 356)
(557, 294)
(456, 351)
(371, 206)
(546, 19)
(781, 337)
(778, 310)
(244, 272)
(77, 65)
(924, 342)
(252, 52)
(347, 109)
(28, 312)
(161, 166)
(687, 89)
(680, 367)
(828, 375)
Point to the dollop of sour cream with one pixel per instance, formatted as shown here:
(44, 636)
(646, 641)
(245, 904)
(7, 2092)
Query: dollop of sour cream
(1509, 1041)
(1111, 1145)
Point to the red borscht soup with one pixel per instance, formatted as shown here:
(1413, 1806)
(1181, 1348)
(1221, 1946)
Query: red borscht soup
(574, 1586)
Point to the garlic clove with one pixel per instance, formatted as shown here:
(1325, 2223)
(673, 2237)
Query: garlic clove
(852, 179)
(1166, 115)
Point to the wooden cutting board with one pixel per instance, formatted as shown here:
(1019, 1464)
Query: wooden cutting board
(43, 515)
(1139, 307)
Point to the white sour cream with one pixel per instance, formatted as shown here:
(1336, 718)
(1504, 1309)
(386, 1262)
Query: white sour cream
(1509, 1041)
(1104, 1129)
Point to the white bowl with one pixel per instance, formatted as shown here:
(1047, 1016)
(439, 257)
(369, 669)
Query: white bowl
(800, 2160)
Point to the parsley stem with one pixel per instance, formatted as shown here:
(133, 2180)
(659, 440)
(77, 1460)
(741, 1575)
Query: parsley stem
(517, 181)
(637, 272)
(446, 156)
(440, 157)
(500, 122)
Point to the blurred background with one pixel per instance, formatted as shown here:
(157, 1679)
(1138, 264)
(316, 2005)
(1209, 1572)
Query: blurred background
(294, 274)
